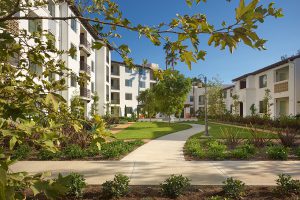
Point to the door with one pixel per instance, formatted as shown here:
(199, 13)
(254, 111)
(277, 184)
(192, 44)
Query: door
(241, 109)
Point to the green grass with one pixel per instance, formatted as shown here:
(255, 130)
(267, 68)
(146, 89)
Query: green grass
(150, 130)
(215, 130)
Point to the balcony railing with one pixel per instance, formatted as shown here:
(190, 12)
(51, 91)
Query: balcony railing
(115, 87)
(84, 42)
(281, 87)
(115, 101)
(85, 67)
(84, 92)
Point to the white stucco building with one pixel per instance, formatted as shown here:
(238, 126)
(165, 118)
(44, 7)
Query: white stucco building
(283, 81)
(77, 34)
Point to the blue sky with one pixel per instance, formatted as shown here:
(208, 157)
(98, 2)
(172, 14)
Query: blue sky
(283, 36)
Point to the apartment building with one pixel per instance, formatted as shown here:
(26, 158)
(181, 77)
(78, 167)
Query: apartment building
(282, 79)
(77, 34)
(126, 84)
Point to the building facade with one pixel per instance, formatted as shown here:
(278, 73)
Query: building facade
(281, 80)
(78, 35)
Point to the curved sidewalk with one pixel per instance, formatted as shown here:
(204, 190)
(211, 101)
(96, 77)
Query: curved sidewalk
(168, 148)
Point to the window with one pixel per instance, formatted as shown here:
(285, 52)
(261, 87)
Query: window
(51, 8)
(225, 94)
(129, 110)
(243, 84)
(128, 83)
(142, 71)
(231, 92)
(92, 87)
(34, 68)
(142, 84)
(93, 66)
(107, 55)
(263, 81)
(107, 74)
(128, 70)
(191, 99)
(51, 76)
(262, 108)
(107, 93)
(34, 25)
(73, 80)
(201, 99)
(282, 74)
(128, 96)
(74, 56)
(74, 24)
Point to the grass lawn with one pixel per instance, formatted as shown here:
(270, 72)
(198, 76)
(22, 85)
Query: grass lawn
(215, 130)
(150, 130)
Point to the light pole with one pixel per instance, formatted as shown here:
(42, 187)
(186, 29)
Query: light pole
(205, 102)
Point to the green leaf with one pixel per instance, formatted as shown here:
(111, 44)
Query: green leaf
(12, 142)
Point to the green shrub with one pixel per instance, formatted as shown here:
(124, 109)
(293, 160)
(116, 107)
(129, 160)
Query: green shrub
(288, 137)
(22, 152)
(193, 148)
(175, 185)
(118, 148)
(287, 186)
(75, 184)
(216, 150)
(73, 151)
(92, 151)
(116, 188)
(277, 152)
(297, 152)
(233, 188)
(217, 198)
(47, 155)
(231, 136)
(243, 152)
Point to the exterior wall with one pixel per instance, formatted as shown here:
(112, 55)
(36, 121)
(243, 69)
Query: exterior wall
(297, 86)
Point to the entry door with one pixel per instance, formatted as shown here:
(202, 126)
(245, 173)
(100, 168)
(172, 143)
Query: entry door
(241, 109)
(283, 108)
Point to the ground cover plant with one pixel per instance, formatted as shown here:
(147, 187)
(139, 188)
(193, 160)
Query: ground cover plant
(150, 130)
(228, 142)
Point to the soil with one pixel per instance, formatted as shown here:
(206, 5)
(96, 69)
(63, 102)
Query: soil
(93, 192)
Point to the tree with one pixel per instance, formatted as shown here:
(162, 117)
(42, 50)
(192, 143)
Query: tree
(107, 20)
(266, 104)
(94, 106)
(171, 56)
(215, 99)
(148, 102)
(235, 104)
(253, 109)
(171, 92)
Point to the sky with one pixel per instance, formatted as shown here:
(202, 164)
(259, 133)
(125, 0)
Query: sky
(283, 36)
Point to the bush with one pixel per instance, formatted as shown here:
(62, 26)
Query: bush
(118, 148)
(22, 152)
(75, 185)
(277, 152)
(231, 136)
(116, 188)
(243, 152)
(234, 188)
(73, 151)
(216, 150)
(256, 139)
(175, 185)
(297, 152)
(193, 148)
(287, 186)
(287, 137)
(92, 151)
(47, 155)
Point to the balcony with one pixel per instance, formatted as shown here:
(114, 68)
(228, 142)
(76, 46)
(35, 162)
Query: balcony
(115, 101)
(84, 92)
(84, 67)
(85, 45)
(281, 87)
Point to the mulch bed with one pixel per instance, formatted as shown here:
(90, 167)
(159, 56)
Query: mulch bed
(93, 192)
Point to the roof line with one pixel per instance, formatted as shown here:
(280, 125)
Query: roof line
(268, 67)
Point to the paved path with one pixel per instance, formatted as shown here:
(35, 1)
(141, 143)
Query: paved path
(168, 148)
(154, 162)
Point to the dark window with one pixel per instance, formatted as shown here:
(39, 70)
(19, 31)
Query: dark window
(201, 100)
(243, 84)
(263, 81)
(75, 54)
(92, 87)
(34, 25)
(93, 66)
(73, 24)
(107, 74)
(231, 92)
(73, 80)
(128, 83)
(191, 99)
(51, 8)
(142, 84)
(142, 71)
(107, 55)
(107, 93)
(262, 108)
(128, 70)
(225, 94)
(129, 110)
(128, 96)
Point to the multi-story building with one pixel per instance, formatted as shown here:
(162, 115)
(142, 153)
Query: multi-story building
(77, 34)
(125, 85)
(281, 79)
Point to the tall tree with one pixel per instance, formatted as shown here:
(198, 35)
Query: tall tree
(148, 102)
(215, 99)
(171, 92)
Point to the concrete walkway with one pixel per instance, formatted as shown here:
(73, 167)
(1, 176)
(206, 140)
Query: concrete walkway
(154, 162)
(168, 148)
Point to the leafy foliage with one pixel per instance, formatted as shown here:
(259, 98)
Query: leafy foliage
(75, 184)
(233, 188)
(175, 185)
(116, 188)
(277, 152)
(288, 137)
(287, 186)
(22, 152)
